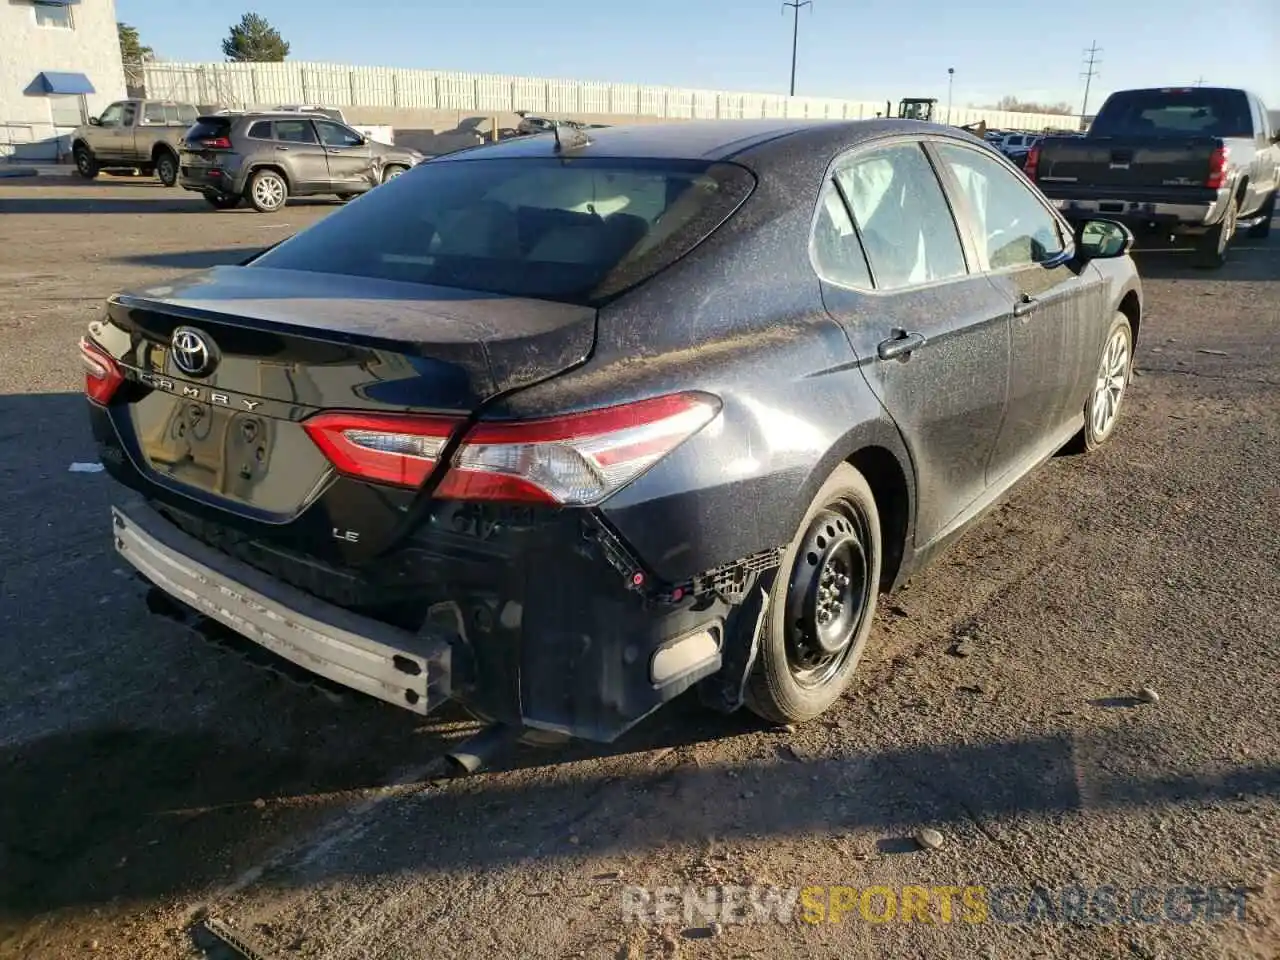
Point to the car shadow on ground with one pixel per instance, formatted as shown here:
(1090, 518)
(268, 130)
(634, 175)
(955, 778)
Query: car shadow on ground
(168, 202)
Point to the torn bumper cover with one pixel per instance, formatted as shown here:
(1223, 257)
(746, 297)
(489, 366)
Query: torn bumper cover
(383, 661)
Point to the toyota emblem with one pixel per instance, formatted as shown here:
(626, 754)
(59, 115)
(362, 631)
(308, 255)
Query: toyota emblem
(193, 352)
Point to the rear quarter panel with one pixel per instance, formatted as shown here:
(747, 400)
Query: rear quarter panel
(742, 318)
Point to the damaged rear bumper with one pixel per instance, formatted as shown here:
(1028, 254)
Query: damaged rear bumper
(408, 670)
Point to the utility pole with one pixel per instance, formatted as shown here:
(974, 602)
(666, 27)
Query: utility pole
(951, 79)
(795, 36)
(1090, 72)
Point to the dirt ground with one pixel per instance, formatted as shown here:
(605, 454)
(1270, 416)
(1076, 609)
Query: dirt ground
(150, 780)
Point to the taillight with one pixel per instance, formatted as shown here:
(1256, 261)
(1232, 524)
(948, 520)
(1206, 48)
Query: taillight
(102, 375)
(216, 143)
(402, 450)
(1217, 168)
(1032, 164)
(575, 460)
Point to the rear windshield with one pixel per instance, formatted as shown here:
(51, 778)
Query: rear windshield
(1192, 111)
(577, 230)
(206, 128)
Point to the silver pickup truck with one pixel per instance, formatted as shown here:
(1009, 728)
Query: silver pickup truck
(141, 134)
(1199, 163)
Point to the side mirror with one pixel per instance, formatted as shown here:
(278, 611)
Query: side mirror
(1275, 137)
(95, 121)
(1102, 240)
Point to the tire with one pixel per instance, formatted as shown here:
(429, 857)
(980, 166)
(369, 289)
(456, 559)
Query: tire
(795, 678)
(268, 191)
(1211, 248)
(1261, 231)
(167, 169)
(86, 164)
(222, 201)
(344, 197)
(392, 170)
(1116, 369)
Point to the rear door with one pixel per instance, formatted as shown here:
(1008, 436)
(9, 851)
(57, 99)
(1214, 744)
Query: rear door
(298, 149)
(932, 337)
(349, 155)
(1056, 315)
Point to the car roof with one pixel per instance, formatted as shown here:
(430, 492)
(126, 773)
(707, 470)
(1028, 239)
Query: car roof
(707, 139)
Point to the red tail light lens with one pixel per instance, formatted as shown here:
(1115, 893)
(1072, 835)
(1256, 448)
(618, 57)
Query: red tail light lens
(1032, 165)
(389, 449)
(216, 143)
(575, 460)
(102, 375)
(1217, 169)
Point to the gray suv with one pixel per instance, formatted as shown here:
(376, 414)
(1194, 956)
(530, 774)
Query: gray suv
(267, 157)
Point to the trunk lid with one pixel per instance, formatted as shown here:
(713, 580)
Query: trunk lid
(1127, 161)
(228, 363)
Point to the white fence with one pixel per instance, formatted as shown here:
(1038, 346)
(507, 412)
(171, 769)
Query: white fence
(257, 84)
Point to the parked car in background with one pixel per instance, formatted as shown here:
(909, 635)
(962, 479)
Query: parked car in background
(266, 158)
(138, 134)
(560, 430)
(378, 133)
(1174, 162)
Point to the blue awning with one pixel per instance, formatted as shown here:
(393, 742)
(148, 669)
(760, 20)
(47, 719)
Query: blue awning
(53, 82)
(56, 3)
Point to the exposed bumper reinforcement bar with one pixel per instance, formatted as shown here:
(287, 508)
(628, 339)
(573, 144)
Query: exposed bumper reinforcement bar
(410, 671)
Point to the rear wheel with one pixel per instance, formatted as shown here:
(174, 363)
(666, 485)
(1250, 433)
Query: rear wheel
(267, 191)
(167, 169)
(392, 171)
(822, 605)
(86, 165)
(1211, 248)
(344, 197)
(1262, 230)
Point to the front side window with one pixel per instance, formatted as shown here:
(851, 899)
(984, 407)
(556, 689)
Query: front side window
(837, 252)
(577, 230)
(113, 116)
(336, 135)
(295, 131)
(900, 209)
(1012, 227)
(54, 15)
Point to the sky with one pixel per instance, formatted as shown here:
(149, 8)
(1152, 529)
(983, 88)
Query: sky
(863, 50)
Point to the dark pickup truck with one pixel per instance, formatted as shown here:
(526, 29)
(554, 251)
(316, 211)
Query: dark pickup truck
(1194, 162)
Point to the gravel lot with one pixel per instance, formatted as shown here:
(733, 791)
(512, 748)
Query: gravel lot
(150, 779)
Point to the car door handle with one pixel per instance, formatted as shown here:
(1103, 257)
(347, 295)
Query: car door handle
(900, 345)
(1025, 305)
(282, 149)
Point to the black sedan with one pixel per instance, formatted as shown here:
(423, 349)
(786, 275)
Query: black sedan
(564, 426)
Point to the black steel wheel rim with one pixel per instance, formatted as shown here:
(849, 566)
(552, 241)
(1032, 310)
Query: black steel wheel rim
(828, 594)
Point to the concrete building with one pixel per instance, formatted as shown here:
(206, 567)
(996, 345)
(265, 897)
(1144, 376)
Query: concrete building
(59, 65)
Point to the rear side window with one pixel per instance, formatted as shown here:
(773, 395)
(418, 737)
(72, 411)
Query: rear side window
(296, 131)
(900, 209)
(837, 252)
(261, 130)
(176, 113)
(1193, 111)
(577, 230)
(206, 128)
(153, 113)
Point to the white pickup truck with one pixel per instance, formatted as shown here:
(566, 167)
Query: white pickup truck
(382, 134)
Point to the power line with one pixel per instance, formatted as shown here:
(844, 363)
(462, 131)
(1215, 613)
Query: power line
(795, 36)
(1089, 73)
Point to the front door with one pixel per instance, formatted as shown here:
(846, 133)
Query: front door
(930, 335)
(350, 157)
(1053, 308)
(104, 137)
(300, 153)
